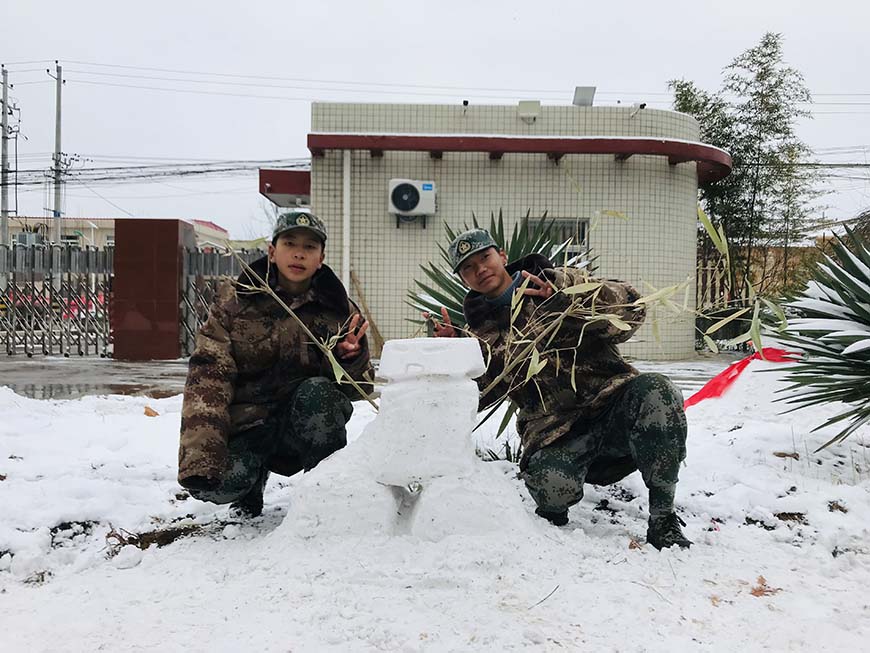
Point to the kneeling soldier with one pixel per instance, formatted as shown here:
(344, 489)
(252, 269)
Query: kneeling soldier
(260, 396)
(586, 416)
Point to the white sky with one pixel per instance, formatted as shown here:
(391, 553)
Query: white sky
(629, 50)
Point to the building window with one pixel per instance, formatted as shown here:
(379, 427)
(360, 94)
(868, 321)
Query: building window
(110, 240)
(574, 229)
(70, 239)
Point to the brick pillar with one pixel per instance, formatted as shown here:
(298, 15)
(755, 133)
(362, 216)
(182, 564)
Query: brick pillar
(147, 287)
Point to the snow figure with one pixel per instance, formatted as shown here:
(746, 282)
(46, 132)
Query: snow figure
(413, 471)
(427, 410)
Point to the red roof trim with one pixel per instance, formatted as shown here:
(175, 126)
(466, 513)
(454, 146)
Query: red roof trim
(713, 164)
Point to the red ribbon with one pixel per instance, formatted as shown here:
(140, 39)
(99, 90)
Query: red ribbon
(717, 386)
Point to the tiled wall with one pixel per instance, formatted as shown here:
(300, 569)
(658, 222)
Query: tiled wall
(642, 210)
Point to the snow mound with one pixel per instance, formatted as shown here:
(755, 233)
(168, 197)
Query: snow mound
(413, 471)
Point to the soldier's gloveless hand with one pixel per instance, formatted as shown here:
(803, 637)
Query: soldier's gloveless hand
(350, 346)
(443, 329)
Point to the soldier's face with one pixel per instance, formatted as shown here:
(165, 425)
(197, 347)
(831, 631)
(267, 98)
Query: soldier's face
(297, 255)
(485, 272)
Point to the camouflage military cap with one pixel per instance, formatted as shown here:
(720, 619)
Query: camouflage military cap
(468, 243)
(299, 219)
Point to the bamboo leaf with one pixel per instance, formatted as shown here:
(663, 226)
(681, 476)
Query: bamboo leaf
(715, 236)
(657, 295)
(780, 314)
(710, 344)
(610, 213)
(337, 369)
(582, 288)
(739, 340)
(536, 364)
(617, 322)
(755, 330)
(715, 327)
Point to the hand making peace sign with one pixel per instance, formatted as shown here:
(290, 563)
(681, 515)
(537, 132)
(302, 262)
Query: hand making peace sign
(544, 288)
(350, 345)
(442, 329)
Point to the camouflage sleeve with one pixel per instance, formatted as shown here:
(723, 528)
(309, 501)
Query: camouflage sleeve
(208, 393)
(613, 297)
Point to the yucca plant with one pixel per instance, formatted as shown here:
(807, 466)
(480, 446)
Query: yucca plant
(444, 288)
(832, 327)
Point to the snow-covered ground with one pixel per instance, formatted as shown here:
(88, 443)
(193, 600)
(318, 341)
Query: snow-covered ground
(781, 558)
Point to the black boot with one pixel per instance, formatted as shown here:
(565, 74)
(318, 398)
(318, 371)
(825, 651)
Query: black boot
(664, 531)
(251, 505)
(557, 518)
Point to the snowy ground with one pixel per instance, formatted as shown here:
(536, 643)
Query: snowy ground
(781, 560)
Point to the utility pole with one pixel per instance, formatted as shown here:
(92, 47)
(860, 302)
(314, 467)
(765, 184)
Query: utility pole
(4, 163)
(56, 222)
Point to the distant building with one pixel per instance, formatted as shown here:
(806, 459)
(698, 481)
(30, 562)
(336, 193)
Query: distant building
(100, 232)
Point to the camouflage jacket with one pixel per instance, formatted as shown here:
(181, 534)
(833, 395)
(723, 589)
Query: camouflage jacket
(549, 402)
(250, 356)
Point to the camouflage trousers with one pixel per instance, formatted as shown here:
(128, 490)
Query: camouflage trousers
(308, 428)
(644, 428)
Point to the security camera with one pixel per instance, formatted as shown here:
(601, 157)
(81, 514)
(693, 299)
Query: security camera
(465, 103)
(635, 108)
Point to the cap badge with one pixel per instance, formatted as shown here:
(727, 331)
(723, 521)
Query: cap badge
(464, 246)
(303, 220)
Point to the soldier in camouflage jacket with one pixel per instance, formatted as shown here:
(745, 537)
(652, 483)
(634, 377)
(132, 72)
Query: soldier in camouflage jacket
(586, 415)
(260, 396)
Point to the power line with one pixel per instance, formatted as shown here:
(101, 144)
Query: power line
(399, 85)
(108, 201)
(363, 90)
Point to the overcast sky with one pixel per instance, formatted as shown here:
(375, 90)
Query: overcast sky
(352, 51)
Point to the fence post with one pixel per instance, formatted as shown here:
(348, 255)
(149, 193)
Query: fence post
(149, 265)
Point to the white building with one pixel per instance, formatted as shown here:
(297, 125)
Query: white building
(622, 179)
(100, 232)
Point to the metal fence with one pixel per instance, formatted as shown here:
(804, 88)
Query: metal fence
(202, 274)
(54, 300)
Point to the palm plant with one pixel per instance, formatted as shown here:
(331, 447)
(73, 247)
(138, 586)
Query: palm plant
(444, 288)
(833, 329)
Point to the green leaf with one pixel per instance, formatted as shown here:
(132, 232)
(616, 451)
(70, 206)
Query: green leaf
(755, 330)
(659, 294)
(739, 340)
(337, 369)
(512, 410)
(582, 288)
(783, 323)
(617, 322)
(715, 236)
(535, 365)
(715, 327)
(609, 213)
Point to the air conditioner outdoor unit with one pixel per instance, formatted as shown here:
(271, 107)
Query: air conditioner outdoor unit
(407, 197)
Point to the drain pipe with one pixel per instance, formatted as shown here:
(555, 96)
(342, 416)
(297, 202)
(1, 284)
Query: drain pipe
(345, 221)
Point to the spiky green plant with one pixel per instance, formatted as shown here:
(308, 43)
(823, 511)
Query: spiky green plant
(833, 329)
(444, 288)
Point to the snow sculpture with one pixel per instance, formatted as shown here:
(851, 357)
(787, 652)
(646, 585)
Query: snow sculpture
(413, 470)
(427, 410)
